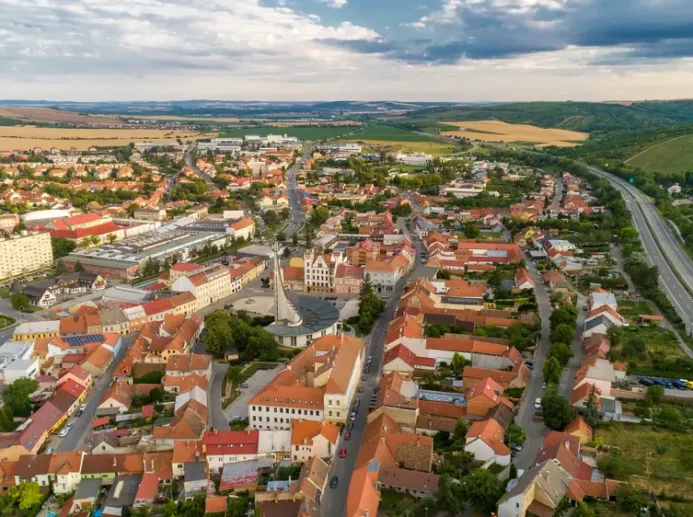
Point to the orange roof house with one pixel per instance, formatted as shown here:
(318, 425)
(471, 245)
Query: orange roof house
(483, 396)
(579, 428)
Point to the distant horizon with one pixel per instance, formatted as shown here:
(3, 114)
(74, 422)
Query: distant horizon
(335, 100)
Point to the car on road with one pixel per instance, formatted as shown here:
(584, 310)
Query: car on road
(537, 403)
(361, 389)
(334, 481)
(343, 452)
(347, 436)
(364, 377)
(244, 385)
(352, 417)
(543, 385)
(83, 407)
(350, 426)
(64, 432)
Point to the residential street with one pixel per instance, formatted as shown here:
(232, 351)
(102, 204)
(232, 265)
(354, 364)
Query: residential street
(79, 436)
(565, 386)
(535, 429)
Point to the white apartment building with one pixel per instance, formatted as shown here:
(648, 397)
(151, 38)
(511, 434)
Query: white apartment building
(383, 275)
(417, 159)
(21, 254)
(320, 270)
(208, 286)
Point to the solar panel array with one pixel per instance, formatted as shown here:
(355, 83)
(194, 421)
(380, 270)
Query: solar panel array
(84, 340)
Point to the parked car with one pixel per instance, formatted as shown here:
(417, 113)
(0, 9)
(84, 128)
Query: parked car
(343, 453)
(350, 426)
(360, 389)
(64, 432)
(244, 385)
(646, 382)
(364, 377)
(543, 385)
(347, 436)
(352, 417)
(537, 404)
(83, 407)
(334, 481)
(357, 403)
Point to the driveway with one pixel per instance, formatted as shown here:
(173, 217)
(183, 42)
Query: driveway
(260, 379)
(216, 413)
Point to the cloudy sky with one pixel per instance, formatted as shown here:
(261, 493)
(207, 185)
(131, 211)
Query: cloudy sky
(438, 50)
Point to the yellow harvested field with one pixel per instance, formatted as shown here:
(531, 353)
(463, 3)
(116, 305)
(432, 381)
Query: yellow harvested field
(16, 138)
(497, 131)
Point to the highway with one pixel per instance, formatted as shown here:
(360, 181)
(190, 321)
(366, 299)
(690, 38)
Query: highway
(662, 248)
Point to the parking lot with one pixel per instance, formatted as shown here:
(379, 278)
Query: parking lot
(239, 407)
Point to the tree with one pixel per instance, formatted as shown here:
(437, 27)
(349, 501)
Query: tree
(62, 247)
(552, 371)
(445, 498)
(19, 301)
(563, 333)
(591, 413)
(458, 363)
(281, 236)
(16, 395)
(557, 410)
(233, 374)
(654, 395)
(482, 489)
(26, 495)
(294, 239)
(583, 510)
(78, 266)
(471, 231)
(287, 252)
(515, 435)
(561, 352)
(630, 499)
(112, 237)
(443, 274)
(218, 334)
(60, 268)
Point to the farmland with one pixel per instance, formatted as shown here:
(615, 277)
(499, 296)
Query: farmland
(238, 122)
(497, 131)
(302, 133)
(672, 156)
(28, 137)
(54, 116)
(382, 133)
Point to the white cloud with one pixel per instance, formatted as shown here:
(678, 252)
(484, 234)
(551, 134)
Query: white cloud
(336, 4)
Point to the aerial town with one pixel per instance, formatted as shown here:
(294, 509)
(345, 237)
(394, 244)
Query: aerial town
(275, 326)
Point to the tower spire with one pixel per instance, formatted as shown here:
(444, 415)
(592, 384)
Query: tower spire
(284, 310)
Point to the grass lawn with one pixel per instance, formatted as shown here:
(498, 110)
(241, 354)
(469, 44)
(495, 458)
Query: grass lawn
(6, 321)
(662, 351)
(302, 133)
(654, 459)
(632, 310)
(674, 155)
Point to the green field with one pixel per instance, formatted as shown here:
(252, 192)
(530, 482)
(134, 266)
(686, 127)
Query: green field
(675, 155)
(651, 458)
(388, 134)
(302, 133)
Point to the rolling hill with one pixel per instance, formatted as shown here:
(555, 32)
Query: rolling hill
(576, 116)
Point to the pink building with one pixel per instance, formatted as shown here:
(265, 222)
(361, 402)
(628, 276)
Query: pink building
(348, 279)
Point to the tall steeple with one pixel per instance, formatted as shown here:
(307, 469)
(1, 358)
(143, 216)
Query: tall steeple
(284, 310)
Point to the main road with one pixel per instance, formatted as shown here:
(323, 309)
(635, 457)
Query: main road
(334, 500)
(296, 213)
(662, 248)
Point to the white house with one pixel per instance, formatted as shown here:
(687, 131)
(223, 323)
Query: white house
(222, 447)
(485, 441)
